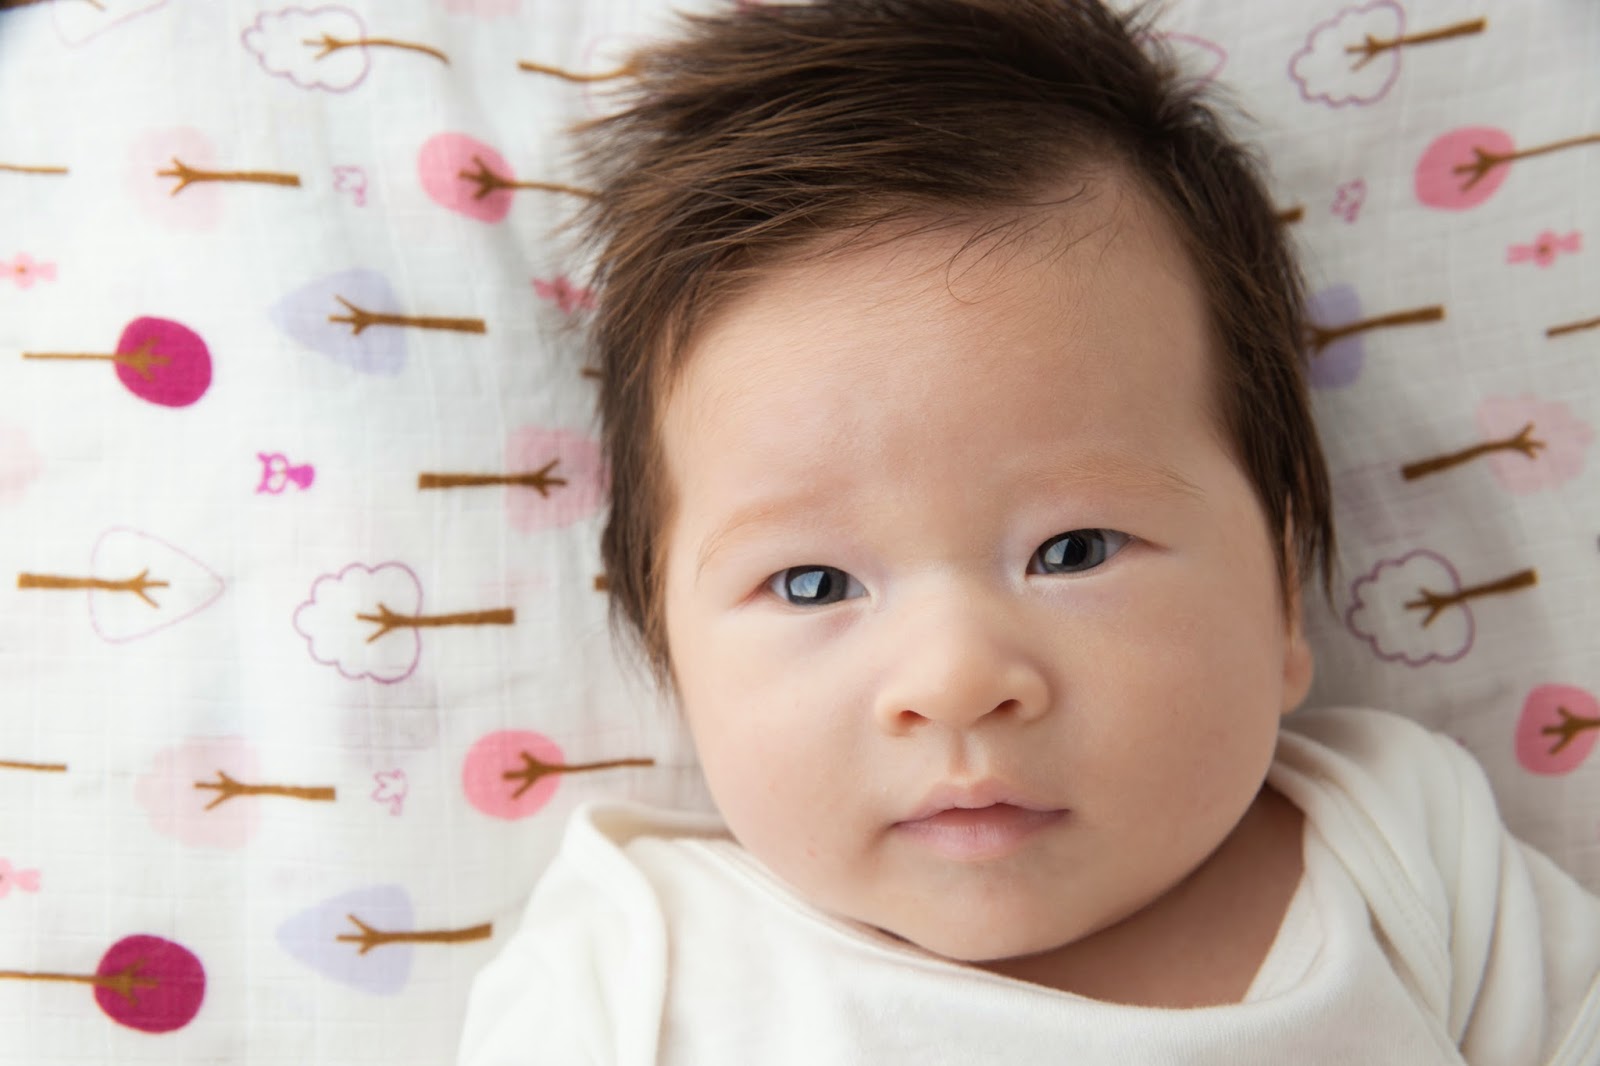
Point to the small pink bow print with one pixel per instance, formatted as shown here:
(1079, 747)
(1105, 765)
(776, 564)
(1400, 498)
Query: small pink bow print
(564, 294)
(391, 789)
(1348, 199)
(22, 880)
(1545, 248)
(352, 180)
(25, 270)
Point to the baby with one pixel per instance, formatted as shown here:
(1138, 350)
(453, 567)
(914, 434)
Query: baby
(964, 485)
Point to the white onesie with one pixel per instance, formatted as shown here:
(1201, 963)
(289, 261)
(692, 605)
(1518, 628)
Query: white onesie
(1421, 933)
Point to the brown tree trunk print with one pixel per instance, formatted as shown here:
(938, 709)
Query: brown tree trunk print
(533, 768)
(388, 621)
(370, 938)
(188, 176)
(359, 319)
(136, 585)
(488, 181)
(1435, 602)
(1521, 443)
(539, 480)
(1372, 47)
(331, 44)
(1322, 336)
(227, 788)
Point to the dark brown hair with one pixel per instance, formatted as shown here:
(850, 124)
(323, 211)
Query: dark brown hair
(763, 129)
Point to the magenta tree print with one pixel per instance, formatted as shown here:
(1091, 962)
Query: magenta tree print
(1557, 729)
(1416, 610)
(1354, 57)
(1532, 445)
(143, 982)
(367, 621)
(158, 360)
(1464, 167)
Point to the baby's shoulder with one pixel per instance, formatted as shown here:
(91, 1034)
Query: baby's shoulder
(1376, 758)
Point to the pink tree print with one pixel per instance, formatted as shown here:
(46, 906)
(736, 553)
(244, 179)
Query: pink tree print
(472, 179)
(1463, 168)
(513, 773)
(1557, 729)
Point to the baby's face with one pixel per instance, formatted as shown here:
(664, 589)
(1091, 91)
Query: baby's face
(972, 538)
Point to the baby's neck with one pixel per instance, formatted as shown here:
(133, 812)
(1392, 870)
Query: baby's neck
(1202, 943)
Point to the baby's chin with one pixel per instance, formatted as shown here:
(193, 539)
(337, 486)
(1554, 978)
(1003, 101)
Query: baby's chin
(981, 942)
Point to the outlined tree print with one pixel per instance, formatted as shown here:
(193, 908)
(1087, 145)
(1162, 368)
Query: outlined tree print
(1416, 609)
(1354, 57)
(324, 48)
(137, 585)
(367, 621)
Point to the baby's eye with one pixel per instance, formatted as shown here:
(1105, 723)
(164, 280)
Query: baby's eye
(813, 586)
(1076, 551)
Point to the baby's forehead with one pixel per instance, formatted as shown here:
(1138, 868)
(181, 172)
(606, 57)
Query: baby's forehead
(945, 252)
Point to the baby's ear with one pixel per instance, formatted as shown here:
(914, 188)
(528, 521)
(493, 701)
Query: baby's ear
(1299, 666)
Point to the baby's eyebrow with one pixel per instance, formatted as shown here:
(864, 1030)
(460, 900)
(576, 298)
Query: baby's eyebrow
(756, 514)
(1112, 470)
(1118, 470)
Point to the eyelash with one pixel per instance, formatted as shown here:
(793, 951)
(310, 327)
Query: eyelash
(1101, 545)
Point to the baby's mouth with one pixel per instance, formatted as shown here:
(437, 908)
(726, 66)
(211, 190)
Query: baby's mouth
(978, 834)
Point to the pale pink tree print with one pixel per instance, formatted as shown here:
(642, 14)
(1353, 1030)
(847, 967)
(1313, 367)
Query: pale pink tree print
(1354, 57)
(20, 464)
(469, 177)
(1531, 445)
(554, 477)
(205, 792)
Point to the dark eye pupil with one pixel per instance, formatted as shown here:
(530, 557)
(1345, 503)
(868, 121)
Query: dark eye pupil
(1071, 551)
(810, 584)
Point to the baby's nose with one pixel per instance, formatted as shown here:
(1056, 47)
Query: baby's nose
(959, 662)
